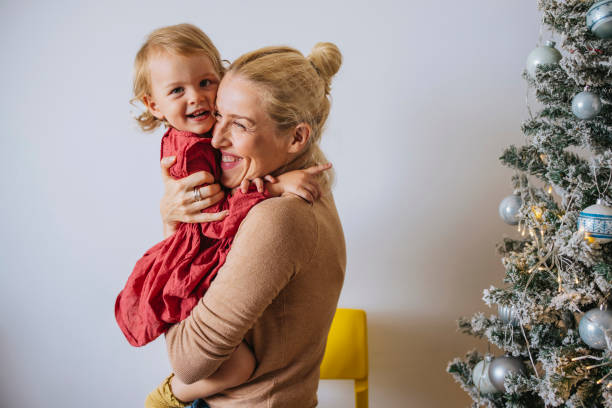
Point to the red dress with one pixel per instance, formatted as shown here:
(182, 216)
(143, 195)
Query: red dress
(172, 276)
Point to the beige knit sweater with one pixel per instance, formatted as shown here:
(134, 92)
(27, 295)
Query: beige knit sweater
(278, 290)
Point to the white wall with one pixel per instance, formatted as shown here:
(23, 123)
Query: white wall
(428, 95)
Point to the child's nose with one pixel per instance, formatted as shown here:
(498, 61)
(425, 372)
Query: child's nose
(196, 97)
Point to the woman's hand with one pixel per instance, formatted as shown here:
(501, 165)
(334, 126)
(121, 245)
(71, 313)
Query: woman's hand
(181, 202)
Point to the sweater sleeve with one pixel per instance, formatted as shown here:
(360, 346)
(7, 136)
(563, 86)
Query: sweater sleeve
(275, 241)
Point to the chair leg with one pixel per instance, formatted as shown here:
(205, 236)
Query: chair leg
(361, 393)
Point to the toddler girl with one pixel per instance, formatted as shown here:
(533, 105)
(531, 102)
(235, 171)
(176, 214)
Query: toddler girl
(177, 72)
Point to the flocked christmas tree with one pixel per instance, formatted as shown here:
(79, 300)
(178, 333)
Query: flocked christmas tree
(552, 320)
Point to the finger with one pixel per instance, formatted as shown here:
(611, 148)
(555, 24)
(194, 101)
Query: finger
(259, 184)
(198, 206)
(209, 190)
(207, 217)
(313, 190)
(165, 164)
(271, 179)
(197, 179)
(305, 194)
(244, 186)
(318, 168)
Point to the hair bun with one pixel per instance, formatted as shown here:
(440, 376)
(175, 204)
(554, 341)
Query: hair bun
(326, 58)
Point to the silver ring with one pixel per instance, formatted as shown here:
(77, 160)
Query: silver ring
(196, 194)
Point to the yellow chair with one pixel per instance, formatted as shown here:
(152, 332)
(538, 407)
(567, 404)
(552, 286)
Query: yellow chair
(346, 352)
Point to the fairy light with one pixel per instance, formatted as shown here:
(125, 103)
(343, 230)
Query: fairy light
(598, 365)
(537, 211)
(549, 191)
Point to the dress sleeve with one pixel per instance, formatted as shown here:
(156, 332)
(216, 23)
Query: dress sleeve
(275, 241)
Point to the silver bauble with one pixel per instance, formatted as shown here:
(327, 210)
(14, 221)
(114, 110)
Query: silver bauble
(542, 55)
(509, 209)
(599, 19)
(592, 327)
(596, 222)
(501, 366)
(586, 105)
(507, 314)
(480, 376)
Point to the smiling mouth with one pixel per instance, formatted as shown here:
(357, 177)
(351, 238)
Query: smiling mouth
(229, 161)
(199, 114)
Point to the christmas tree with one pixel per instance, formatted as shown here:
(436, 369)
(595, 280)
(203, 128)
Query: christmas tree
(552, 323)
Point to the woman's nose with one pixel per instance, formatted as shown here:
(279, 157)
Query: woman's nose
(219, 138)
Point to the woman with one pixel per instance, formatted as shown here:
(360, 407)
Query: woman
(279, 286)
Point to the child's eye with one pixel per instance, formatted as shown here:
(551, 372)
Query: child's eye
(205, 82)
(177, 90)
(217, 115)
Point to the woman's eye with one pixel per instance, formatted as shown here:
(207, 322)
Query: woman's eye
(205, 82)
(177, 90)
(240, 125)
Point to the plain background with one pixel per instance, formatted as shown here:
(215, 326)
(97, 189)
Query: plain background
(429, 94)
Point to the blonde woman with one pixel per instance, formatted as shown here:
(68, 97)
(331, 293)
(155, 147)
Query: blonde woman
(279, 286)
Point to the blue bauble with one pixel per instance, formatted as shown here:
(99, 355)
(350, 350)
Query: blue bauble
(509, 209)
(543, 55)
(592, 327)
(596, 222)
(599, 19)
(501, 366)
(586, 105)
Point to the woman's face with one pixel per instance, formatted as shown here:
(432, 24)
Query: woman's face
(250, 144)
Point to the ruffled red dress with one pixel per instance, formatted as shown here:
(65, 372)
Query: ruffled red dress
(172, 276)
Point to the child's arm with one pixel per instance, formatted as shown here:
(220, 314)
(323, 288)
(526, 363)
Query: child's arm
(303, 183)
(233, 372)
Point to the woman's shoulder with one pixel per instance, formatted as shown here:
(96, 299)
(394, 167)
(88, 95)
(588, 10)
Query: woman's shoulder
(285, 211)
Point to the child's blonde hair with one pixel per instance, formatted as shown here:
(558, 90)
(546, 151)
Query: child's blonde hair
(296, 89)
(180, 39)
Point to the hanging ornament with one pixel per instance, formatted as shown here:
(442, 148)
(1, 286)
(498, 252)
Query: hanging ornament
(592, 327)
(586, 104)
(596, 222)
(543, 55)
(509, 209)
(501, 366)
(480, 376)
(508, 315)
(599, 19)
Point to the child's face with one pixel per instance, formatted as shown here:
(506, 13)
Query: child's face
(183, 91)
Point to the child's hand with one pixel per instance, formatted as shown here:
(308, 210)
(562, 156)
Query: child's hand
(259, 183)
(303, 183)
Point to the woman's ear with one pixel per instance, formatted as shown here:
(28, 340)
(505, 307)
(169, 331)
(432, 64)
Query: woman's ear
(300, 138)
(152, 107)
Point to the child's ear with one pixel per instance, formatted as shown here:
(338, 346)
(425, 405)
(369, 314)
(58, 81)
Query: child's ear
(300, 137)
(152, 107)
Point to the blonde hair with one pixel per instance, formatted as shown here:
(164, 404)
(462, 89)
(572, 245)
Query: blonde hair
(180, 39)
(295, 89)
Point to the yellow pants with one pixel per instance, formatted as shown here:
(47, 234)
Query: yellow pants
(162, 397)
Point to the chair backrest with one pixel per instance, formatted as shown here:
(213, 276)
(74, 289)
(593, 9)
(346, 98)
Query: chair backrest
(346, 352)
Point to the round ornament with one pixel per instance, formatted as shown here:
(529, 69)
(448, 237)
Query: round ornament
(501, 366)
(508, 315)
(586, 105)
(480, 376)
(544, 55)
(509, 209)
(596, 222)
(599, 19)
(592, 328)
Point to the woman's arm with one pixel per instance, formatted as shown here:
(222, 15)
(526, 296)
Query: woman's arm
(275, 241)
(179, 204)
